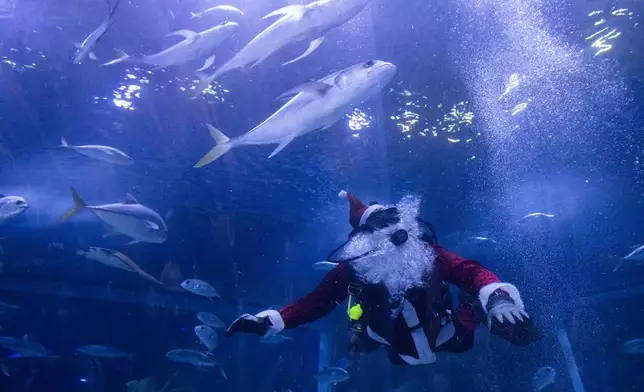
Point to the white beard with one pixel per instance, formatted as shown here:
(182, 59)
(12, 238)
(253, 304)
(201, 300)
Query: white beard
(399, 268)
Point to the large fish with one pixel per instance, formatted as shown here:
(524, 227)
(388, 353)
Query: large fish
(194, 46)
(102, 352)
(85, 48)
(298, 23)
(223, 8)
(103, 153)
(24, 347)
(129, 218)
(112, 258)
(316, 106)
(11, 207)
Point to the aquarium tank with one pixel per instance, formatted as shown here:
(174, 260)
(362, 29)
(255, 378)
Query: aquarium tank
(328, 196)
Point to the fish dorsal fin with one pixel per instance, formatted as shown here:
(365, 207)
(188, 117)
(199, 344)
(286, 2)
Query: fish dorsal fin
(188, 35)
(129, 199)
(296, 10)
(152, 225)
(317, 88)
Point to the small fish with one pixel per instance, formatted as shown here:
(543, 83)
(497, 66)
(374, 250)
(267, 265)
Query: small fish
(24, 347)
(112, 258)
(85, 48)
(199, 287)
(324, 266)
(192, 357)
(102, 153)
(635, 255)
(538, 215)
(542, 378)
(633, 347)
(224, 8)
(5, 307)
(101, 352)
(129, 218)
(275, 339)
(207, 336)
(210, 320)
(11, 207)
(332, 375)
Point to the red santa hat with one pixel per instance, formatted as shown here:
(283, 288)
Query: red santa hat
(358, 211)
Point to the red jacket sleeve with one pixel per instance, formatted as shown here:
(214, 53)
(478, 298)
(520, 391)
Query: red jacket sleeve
(318, 303)
(468, 275)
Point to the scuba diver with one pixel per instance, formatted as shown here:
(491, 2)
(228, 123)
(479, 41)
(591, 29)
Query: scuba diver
(394, 274)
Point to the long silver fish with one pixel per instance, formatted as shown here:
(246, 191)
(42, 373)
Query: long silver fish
(24, 347)
(222, 8)
(112, 258)
(11, 207)
(6, 307)
(298, 23)
(129, 218)
(101, 351)
(194, 46)
(85, 48)
(207, 336)
(316, 106)
(196, 358)
(636, 255)
(103, 153)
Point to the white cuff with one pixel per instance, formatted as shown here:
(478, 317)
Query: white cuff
(513, 292)
(277, 322)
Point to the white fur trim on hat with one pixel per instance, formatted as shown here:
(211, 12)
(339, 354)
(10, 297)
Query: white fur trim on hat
(370, 210)
(343, 195)
(486, 291)
(277, 322)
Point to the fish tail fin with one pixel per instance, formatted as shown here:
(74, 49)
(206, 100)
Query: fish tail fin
(193, 15)
(122, 57)
(63, 142)
(205, 79)
(223, 145)
(79, 206)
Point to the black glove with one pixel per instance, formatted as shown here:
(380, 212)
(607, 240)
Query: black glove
(519, 329)
(247, 323)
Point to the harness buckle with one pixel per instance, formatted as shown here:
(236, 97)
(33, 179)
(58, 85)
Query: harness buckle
(354, 289)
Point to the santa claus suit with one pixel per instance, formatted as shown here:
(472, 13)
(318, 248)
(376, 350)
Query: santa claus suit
(413, 327)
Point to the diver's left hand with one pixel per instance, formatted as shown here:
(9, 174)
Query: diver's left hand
(501, 306)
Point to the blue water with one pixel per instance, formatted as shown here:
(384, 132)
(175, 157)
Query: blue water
(499, 109)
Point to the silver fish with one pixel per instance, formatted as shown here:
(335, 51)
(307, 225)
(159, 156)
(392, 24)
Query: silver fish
(23, 347)
(316, 105)
(85, 48)
(103, 153)
(297, 23)
(636, 255)
(542, 378)
(324, 266)
(199, 287)
(538, 215)
(207, 336)
(101, 351)
(633, 347)
(194, 46)
(115, 259)
(210, 320)
(223, 8)
(129, 218)
(11, 207)
(332, 375)
(192, 357)
(274, 339)
(5, 307)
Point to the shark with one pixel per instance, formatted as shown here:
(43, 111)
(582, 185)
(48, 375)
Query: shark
(194, 46)
(315, 106)
(297, 23)
(85, 48)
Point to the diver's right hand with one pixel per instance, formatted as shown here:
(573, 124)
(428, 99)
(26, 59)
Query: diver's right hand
(247, 323)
